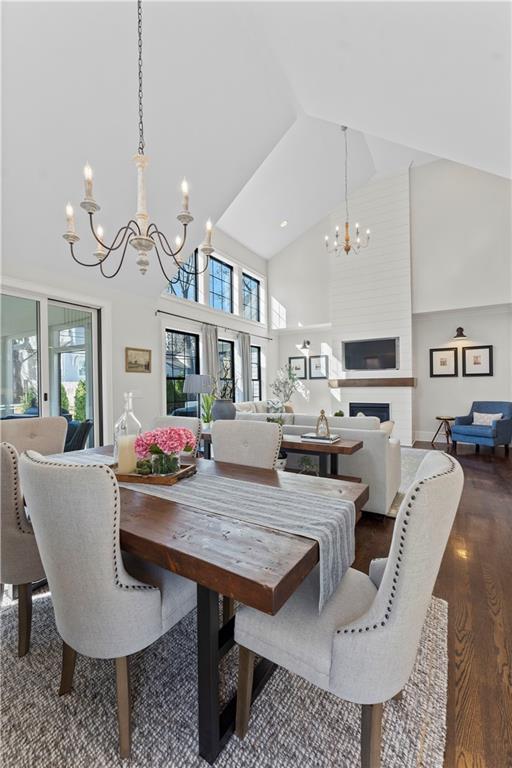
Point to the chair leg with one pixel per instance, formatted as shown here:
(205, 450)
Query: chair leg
(371, 731)
(506, 450)
(24, 617)
(228, 609)
(398, 696)
(493, 450)
(477, 448)
(244, 694)
(123, 705)
(68, 669)
(454, 446)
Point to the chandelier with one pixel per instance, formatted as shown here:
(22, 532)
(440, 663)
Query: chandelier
(138, 233)
(347, 244)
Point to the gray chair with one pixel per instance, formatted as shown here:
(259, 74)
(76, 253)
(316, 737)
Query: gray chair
(363, 645)
(249, 443)
(46, 434)
(101, 610)
(189, 422)
(20, 563)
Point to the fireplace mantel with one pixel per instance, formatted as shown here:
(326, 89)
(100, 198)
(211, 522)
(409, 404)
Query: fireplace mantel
(391, 381)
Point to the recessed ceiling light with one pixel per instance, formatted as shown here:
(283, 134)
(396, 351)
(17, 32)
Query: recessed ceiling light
(284, 223)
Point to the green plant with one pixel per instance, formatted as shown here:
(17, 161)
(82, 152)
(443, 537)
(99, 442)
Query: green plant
(285, 383)
(29, 399)
(339, 413)
(64, 399)
(276, 420)
(80, 401)
(307, 466)
(206, 407)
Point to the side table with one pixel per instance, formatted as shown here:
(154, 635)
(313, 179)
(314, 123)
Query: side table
(445, 423)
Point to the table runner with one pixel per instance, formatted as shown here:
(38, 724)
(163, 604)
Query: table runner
(327, 520)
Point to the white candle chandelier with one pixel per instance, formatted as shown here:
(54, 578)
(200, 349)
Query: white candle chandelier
(137, 233)
(347, 244)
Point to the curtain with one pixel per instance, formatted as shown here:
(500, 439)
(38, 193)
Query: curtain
(211, 350)
(244, 347)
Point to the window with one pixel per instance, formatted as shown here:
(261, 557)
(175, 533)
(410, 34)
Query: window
(20, 357)
(250, 297)
(226, 369)
(181, 358)
(221, 285)
(256, 372)
(184, 284)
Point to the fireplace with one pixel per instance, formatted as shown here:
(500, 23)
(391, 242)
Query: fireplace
(381, 410)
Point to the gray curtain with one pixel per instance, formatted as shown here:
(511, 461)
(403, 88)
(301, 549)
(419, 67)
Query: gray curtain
(244, 347)
(211, 350)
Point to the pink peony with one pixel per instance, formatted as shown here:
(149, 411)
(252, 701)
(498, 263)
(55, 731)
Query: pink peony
(167, 439)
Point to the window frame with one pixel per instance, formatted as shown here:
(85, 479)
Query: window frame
(257, 319)
(170, 291)
(231, 345)
(257, 380)
(197, 338)
(211, 277)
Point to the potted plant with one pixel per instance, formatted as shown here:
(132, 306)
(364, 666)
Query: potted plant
(159, 450)
(285, 384)
(223, 406)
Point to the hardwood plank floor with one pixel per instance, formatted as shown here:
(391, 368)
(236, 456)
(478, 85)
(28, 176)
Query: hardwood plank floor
(476, 580)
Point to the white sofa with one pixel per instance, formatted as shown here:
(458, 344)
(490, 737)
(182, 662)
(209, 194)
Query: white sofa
(378, 463)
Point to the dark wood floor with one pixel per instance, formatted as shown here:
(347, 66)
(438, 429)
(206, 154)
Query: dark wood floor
(476, 580)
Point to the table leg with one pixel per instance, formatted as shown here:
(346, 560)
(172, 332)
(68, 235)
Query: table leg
(322, 464)
(436, 434)
(334, 463)
(207, 449)
(447, 432)
(213, 642)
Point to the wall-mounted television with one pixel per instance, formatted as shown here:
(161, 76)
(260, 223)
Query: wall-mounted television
(370, 355)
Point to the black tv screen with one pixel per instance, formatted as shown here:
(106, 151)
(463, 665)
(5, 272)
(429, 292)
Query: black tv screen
(370, 355)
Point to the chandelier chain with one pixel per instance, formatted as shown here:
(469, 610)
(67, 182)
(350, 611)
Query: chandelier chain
(345, 131)
(141, 111)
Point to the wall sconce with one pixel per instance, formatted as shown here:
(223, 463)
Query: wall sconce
(305, 345)
(459, 334)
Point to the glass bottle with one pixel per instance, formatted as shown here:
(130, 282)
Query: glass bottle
(127, 423)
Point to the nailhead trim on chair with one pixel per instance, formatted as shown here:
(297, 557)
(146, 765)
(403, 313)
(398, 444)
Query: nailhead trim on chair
(278, 447)
(14, 457)
(115, 532)
(383, 622)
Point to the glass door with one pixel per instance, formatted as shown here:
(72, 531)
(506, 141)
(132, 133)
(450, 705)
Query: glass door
(20, 361)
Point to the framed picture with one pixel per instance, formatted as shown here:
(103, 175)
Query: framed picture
(318, 367)
(137, 360)
(444, 362)
(477, 361)
(298, 366)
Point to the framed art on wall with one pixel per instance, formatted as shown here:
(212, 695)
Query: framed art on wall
(444, 362)
(318, 367)
(477, 361)
(137, 360)
(298, 366)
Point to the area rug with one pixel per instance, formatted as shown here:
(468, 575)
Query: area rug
(411, 459)
(292, 724)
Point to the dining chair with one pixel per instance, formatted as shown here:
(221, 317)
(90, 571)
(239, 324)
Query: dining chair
(189, 422)
(45, 434)
(101, 609)
(250, 443)
(363, 645)
(20, 563)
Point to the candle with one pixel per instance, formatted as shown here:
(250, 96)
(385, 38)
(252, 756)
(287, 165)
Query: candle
(88, 181)
(126, 456)
(100, 233)
(208, 232)
(184, 192)
(177, 241)
(70, 219)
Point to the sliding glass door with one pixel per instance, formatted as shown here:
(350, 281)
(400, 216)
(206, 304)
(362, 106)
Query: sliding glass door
(20, 376)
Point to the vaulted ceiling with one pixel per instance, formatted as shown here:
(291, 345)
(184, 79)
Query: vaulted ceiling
(245, 99)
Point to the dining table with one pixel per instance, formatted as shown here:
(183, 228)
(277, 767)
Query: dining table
(255, 565)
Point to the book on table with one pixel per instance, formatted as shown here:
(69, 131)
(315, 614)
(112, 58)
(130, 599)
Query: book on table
(312, 437)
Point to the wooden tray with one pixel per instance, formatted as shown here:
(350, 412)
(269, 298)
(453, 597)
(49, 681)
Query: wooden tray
(133, 477)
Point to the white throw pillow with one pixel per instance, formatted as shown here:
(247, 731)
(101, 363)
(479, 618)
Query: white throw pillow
(260, 406)
(245, 407)
(485, 419)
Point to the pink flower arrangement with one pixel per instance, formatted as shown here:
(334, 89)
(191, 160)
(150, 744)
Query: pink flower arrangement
(164, 440)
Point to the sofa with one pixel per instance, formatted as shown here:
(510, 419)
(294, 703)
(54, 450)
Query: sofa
(498, 432)
(260, 406)
(378, 463)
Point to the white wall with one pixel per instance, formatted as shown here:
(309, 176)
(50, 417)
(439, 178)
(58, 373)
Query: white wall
(453, 396)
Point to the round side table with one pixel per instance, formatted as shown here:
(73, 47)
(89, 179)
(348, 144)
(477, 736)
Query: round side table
(445, 423)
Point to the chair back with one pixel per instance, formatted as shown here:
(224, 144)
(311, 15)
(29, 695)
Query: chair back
(19, 558)
(493, 406)
(45, 434)
(249, 443)
(188, 422)
(100, 610)
(77, 435)
(373, 656)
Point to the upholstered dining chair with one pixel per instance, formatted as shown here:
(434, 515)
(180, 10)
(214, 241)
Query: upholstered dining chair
(20, 563)
(363, 645)
(46, 434)
(189, 422)
(250, 443)
(101, 609)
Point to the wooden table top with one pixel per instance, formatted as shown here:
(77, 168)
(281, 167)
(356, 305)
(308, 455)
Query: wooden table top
(260, 567)
(291, 442)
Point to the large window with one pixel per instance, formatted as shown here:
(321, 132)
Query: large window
(226, 369)
(184, 284)
(256, 372)
(250, 297)
(20, 357)
(221, 285)
(181, 359)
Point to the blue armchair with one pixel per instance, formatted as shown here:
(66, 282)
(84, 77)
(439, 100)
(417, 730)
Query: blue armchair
(498, 433)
